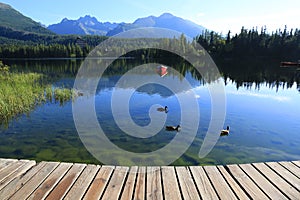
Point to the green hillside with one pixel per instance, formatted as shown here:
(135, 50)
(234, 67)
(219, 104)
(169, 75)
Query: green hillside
(10, 18)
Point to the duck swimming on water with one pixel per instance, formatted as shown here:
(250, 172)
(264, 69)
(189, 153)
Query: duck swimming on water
(165, 109)
(225, 131)
(173, 128)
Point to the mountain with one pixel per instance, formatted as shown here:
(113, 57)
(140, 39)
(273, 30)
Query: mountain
(91, 26)
(12, 20)
(165, 20)
(83, 26)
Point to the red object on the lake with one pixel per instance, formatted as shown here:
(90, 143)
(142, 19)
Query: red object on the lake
(162, 70)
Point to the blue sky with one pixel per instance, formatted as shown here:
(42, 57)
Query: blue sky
(217, 15)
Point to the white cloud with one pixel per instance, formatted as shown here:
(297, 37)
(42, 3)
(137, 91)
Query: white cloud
(201, 14)
(266, 96)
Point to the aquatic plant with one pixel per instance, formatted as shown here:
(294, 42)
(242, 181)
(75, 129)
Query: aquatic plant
(21, 92)
(63, 95)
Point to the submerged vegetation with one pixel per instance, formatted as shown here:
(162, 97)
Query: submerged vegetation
(21, 92)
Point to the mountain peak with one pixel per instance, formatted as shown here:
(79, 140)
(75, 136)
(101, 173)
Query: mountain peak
(5, 6)
(64, 20)
(166, 15)
(165, 20)
(91, 26)
(87, 17)
(86, 25)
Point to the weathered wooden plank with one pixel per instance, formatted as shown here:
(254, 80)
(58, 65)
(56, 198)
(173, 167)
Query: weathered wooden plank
(234, 186)
(127, 193)
(287, 175)
(170, 184)
(113, 190)
(140, 187)
(250, 187)
(82, 183)
(6, 162)
(203, 184)
(279, 182)
(25, 180)
(35, 181)
(62, 188)
(98, 185)
(154, 187)
(296, 163)
(19, 181)
(188, 188)
(2, 162)
(291, 167)
(45, 188)
(24, 168)
(219, 183)
(262, 182)
(11, 168)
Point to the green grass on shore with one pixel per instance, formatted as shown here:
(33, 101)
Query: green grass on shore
(21, 92)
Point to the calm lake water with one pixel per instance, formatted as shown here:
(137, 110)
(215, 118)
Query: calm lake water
(263, 110)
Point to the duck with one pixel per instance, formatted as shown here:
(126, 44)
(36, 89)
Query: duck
(173, 128)
(165, 109)
(225, 131)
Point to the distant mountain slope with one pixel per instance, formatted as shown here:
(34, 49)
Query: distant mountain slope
(12, 19)
(165, 20)
(122, 28)
(91, 26)
(83, 26)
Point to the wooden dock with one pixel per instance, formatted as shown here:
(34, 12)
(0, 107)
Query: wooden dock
(24, 179)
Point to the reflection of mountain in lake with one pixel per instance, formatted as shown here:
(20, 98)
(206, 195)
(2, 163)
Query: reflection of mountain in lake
(168, 86)
(244, 73)
(152, 89)
(144, 79)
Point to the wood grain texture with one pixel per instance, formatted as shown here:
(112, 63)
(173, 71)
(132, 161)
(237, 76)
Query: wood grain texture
(24, 168)
(286, 174)
(203, 184)
(18, 182)
(252, 189)
(98, 185)
(170, 183)
(114, 188)
(154, 187)
(219, 183)
(130, 184)
(296, 163)
(82, 183)
(278, 181)
(188, 188)
(35, 181)
(291, 167)
(9, 169)
(233, 184)
(140, 187)
(262, 182)
(62, 188)
(6, 162)
(49, 183)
